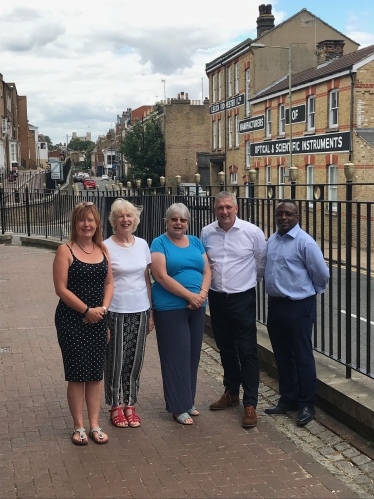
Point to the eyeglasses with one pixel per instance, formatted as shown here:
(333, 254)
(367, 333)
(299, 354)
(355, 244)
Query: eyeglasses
(181, 220)
(84, 203)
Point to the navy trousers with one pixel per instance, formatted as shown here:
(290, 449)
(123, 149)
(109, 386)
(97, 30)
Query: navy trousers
(233, 318)
(179, 339)
(290, 325)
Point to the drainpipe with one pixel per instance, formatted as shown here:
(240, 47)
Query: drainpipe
(352, 75)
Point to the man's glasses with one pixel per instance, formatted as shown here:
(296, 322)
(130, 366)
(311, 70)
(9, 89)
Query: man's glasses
(181, 220)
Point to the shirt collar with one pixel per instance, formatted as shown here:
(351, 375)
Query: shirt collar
(292, 233)
(235, 226)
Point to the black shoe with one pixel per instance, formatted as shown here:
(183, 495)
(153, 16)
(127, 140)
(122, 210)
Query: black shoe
(281, 408)
(305, 415)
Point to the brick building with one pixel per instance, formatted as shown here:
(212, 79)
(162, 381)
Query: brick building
(332, 124)
(185, 124)
(10, 146)
(242, 72)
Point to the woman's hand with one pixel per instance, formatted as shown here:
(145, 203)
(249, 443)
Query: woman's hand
(94, 315)
(151, 323)
(195, 301)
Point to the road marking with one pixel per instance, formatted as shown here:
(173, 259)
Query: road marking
(355, 317)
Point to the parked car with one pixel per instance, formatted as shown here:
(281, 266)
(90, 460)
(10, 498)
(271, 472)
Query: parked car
(86, 176)
(89, 184)
(104, 177)
(76, 178)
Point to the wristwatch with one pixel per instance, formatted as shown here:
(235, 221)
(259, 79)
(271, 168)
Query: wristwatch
(105, 310)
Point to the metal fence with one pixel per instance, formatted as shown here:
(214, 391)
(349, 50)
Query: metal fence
(344, 325)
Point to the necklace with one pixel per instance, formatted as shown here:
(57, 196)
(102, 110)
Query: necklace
(126, 245)
(87, 252)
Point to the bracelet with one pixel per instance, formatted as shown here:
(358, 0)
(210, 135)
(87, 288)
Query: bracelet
(85, 312)
(105, 310)
(202, 289)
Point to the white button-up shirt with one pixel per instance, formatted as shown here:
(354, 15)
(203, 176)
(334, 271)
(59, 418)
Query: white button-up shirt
(237, 256)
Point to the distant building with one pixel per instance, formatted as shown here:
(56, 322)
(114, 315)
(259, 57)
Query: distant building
(87, 137)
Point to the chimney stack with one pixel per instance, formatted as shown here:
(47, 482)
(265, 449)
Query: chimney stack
(328, 50)
(265, 21)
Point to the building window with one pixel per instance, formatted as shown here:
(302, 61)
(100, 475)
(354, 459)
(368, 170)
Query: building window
(230, 131)
(214, 135)
(233, 178)
(248, 154)
(219, 134)
(333, 188)
(214, 88)
(268, 174)
(281, 181)
(310, 182)
(229, 79)
(268, 121)
(334, 108)
(282, 119)
(311, 112)
(237, 130)
(13, 152)
(237, 78)
(220, 85)
(247, 92)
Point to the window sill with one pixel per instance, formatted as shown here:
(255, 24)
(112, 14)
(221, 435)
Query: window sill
(267, 138)
(309, 132)
(236, 148)
(283, 136)
(332, 129)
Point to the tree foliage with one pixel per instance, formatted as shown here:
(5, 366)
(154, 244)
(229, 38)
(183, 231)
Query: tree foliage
(144, 148)
(50, 145)
(80, 145)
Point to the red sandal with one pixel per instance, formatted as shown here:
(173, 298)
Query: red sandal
(132, 418)
(119, 419)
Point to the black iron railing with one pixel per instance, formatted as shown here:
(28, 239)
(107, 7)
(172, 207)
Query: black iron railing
(343, 228)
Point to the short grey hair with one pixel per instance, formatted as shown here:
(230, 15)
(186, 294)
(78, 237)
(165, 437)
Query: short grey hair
(226, 194)
(177, 209)
(118, 207)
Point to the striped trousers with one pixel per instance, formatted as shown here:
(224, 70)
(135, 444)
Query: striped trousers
(124, 357)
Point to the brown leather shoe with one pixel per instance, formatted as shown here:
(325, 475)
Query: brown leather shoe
(227, 400)
(250, 417)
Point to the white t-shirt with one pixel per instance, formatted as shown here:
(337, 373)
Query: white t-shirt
(128, 266)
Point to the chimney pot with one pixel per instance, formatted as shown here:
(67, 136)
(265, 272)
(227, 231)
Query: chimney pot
(265, 21)
(329, 50)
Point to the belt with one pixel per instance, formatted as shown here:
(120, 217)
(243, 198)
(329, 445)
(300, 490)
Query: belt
(230, 294)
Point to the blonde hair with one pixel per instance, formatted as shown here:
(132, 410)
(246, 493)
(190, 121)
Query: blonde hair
(79, 213)
(118, 207)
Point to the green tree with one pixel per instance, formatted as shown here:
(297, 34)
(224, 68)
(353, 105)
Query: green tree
(80, 145)
(144, 148)
(50, 145)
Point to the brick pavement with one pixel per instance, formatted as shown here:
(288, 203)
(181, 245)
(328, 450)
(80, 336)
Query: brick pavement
(215, 457)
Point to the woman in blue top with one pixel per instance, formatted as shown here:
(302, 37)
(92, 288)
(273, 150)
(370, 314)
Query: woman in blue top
(181, 270)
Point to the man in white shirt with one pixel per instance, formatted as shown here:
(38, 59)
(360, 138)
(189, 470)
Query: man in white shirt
(236, 251)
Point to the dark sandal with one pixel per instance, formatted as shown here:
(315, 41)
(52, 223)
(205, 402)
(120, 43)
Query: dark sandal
(132, 418)
(118, 418)
(82, 437)
(100, 436)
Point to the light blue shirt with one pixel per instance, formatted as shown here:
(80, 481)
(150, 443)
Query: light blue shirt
(295, 266)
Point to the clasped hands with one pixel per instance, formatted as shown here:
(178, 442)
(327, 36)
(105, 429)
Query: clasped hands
(195, 301)
(94, 315)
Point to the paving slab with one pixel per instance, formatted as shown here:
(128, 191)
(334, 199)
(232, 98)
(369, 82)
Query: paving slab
(215, 457)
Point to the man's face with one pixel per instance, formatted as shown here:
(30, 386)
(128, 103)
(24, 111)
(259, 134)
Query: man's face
(225, 211)
(286, 217)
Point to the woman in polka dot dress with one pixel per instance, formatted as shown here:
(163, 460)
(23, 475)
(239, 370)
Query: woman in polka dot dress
(83, 280)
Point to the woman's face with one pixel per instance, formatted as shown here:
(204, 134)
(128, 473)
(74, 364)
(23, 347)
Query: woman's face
(86, 226)
(125, 223)
(176, 226)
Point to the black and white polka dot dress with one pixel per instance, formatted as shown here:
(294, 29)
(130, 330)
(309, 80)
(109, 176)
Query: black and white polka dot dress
(83, 345)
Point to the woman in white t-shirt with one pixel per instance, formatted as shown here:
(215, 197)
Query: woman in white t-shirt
(130, 313)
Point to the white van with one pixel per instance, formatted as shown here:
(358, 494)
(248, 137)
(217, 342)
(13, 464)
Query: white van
(189, 189)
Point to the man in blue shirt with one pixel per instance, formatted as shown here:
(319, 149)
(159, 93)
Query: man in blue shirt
(295, 271)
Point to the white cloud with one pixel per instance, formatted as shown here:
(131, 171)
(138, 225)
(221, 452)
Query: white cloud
(81, 63)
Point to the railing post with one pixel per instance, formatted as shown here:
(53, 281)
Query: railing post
(27, 200)
(2, 208)
(348, 172)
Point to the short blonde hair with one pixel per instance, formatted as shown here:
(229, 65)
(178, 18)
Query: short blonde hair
(118, 207)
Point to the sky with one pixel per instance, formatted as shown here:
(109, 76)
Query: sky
(81, 63)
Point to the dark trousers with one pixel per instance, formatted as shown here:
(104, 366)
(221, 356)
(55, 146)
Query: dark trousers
(179, 338)
(233, 318)
(290, 324)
